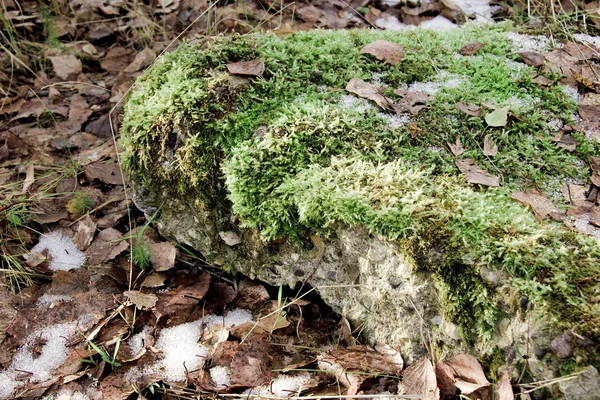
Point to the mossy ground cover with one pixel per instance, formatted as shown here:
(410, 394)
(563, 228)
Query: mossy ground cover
(291, 154)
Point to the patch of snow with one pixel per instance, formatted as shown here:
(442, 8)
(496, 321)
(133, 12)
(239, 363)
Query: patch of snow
(572, 93)
(522, 42)
(444, 79)
(136, 342)
(395, 121)
(516, 103)
(391, 22)
(181, 350)
(350, 102)
(66, 394)
(584, 38)
(376, 78)
(51, 351)
(282, 386)
(51, 299)
(480, 8)
(556, 124)
(438, 23)
(221, 376)
(232, 318)
(61, 251)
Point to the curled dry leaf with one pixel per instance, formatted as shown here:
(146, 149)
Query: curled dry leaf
(250, 68)
(470, 109)
(471, 48)
(503, 388)
(107, 173)
(154, 280)
(383, 50)
(141, 60)
(85, 233)
(368, 91)
(464, 373)
(419, 378)
(490, 149)
(532, 58)
(107, 245)
(540, 204)
(476, 175)
(410, 102)
(141, 300)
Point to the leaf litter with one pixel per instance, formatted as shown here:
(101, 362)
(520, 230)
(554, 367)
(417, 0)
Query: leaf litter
(82, 298)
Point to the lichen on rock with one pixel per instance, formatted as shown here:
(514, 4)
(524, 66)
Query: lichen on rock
(367, 207)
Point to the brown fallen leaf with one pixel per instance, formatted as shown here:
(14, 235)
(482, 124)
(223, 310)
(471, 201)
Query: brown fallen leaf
(107, 173)
(141, 300)
(577, 195)
(106, 246)
(532, 58)
(250, 68)
(503, 389)
(116, 59)
(589, 107)
(66, 66)
(85, 233)
(368, 91)
(383, 50)
(29, 178)
(154, 280)
(542, 81)
(471, 48)
(456, 148)
(419, 378)
(566, 142)
(410, 102)
(141, 60)
(490, 149)
(582, 52)
(561, 62)
(162, 256)
(470, 109)
(476, 175)
(540, 204)
(251, 364)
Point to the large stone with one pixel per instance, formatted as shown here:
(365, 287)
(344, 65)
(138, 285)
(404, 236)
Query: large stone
(289, 179)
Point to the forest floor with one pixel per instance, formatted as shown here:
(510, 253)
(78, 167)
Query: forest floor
(119, 328)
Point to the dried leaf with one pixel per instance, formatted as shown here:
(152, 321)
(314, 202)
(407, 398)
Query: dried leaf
(251, 364)
(469, 109)
(540, 204)
(542, 81)
(383, 50)
(410, 102)
(490, 149)
(154, 280)
(250, 68)
(368, 91)
(589, 107)
(141, 300)
(29, 178)
(561, 62)
(162, 256)
(116, 59)
(503, 388)
(532, 58)
(419, 378)
(457, 148)
(141, 60)
(566, 142)
(471, 48)
(476, 175)
(107, 245)
(498, 117)
(107, 173)
(85, 233)
(66, 66)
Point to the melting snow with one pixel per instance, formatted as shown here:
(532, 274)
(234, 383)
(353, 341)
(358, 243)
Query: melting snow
(392, 22)
(582, 37)
(522, 42)
(438, 23)
(46, 299)
(136, 342)
(221, 376)
(350, 102)
(62, 252)
(282, 386)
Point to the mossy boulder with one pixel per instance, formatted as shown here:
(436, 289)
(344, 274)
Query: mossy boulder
(288, 178)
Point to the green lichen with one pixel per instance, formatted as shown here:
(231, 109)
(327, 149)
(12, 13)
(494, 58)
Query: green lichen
(288, 156)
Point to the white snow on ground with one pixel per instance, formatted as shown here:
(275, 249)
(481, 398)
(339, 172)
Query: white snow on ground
(350, 102)
(66, 394)
(584, 38)
(181, 349)
(391, 22)
(572, 93)
(61, 251)
(438, 23)
(480, 8)
(444, 79)
(522, 42)
(136, 342)
(221, 376)
(282, 386)
(42, 352)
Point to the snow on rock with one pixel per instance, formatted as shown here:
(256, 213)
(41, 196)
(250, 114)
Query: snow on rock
(60, 251)
(221, 376)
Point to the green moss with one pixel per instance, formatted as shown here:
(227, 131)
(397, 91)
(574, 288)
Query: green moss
(289, 155)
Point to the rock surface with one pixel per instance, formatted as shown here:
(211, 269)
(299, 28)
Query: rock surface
(286, 178)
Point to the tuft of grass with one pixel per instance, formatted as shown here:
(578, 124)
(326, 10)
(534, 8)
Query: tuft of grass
(140, 254)
(80, 204)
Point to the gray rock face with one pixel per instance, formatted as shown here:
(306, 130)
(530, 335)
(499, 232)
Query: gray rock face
(585, 386)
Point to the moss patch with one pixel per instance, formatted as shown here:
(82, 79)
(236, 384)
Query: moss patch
(292, 153)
